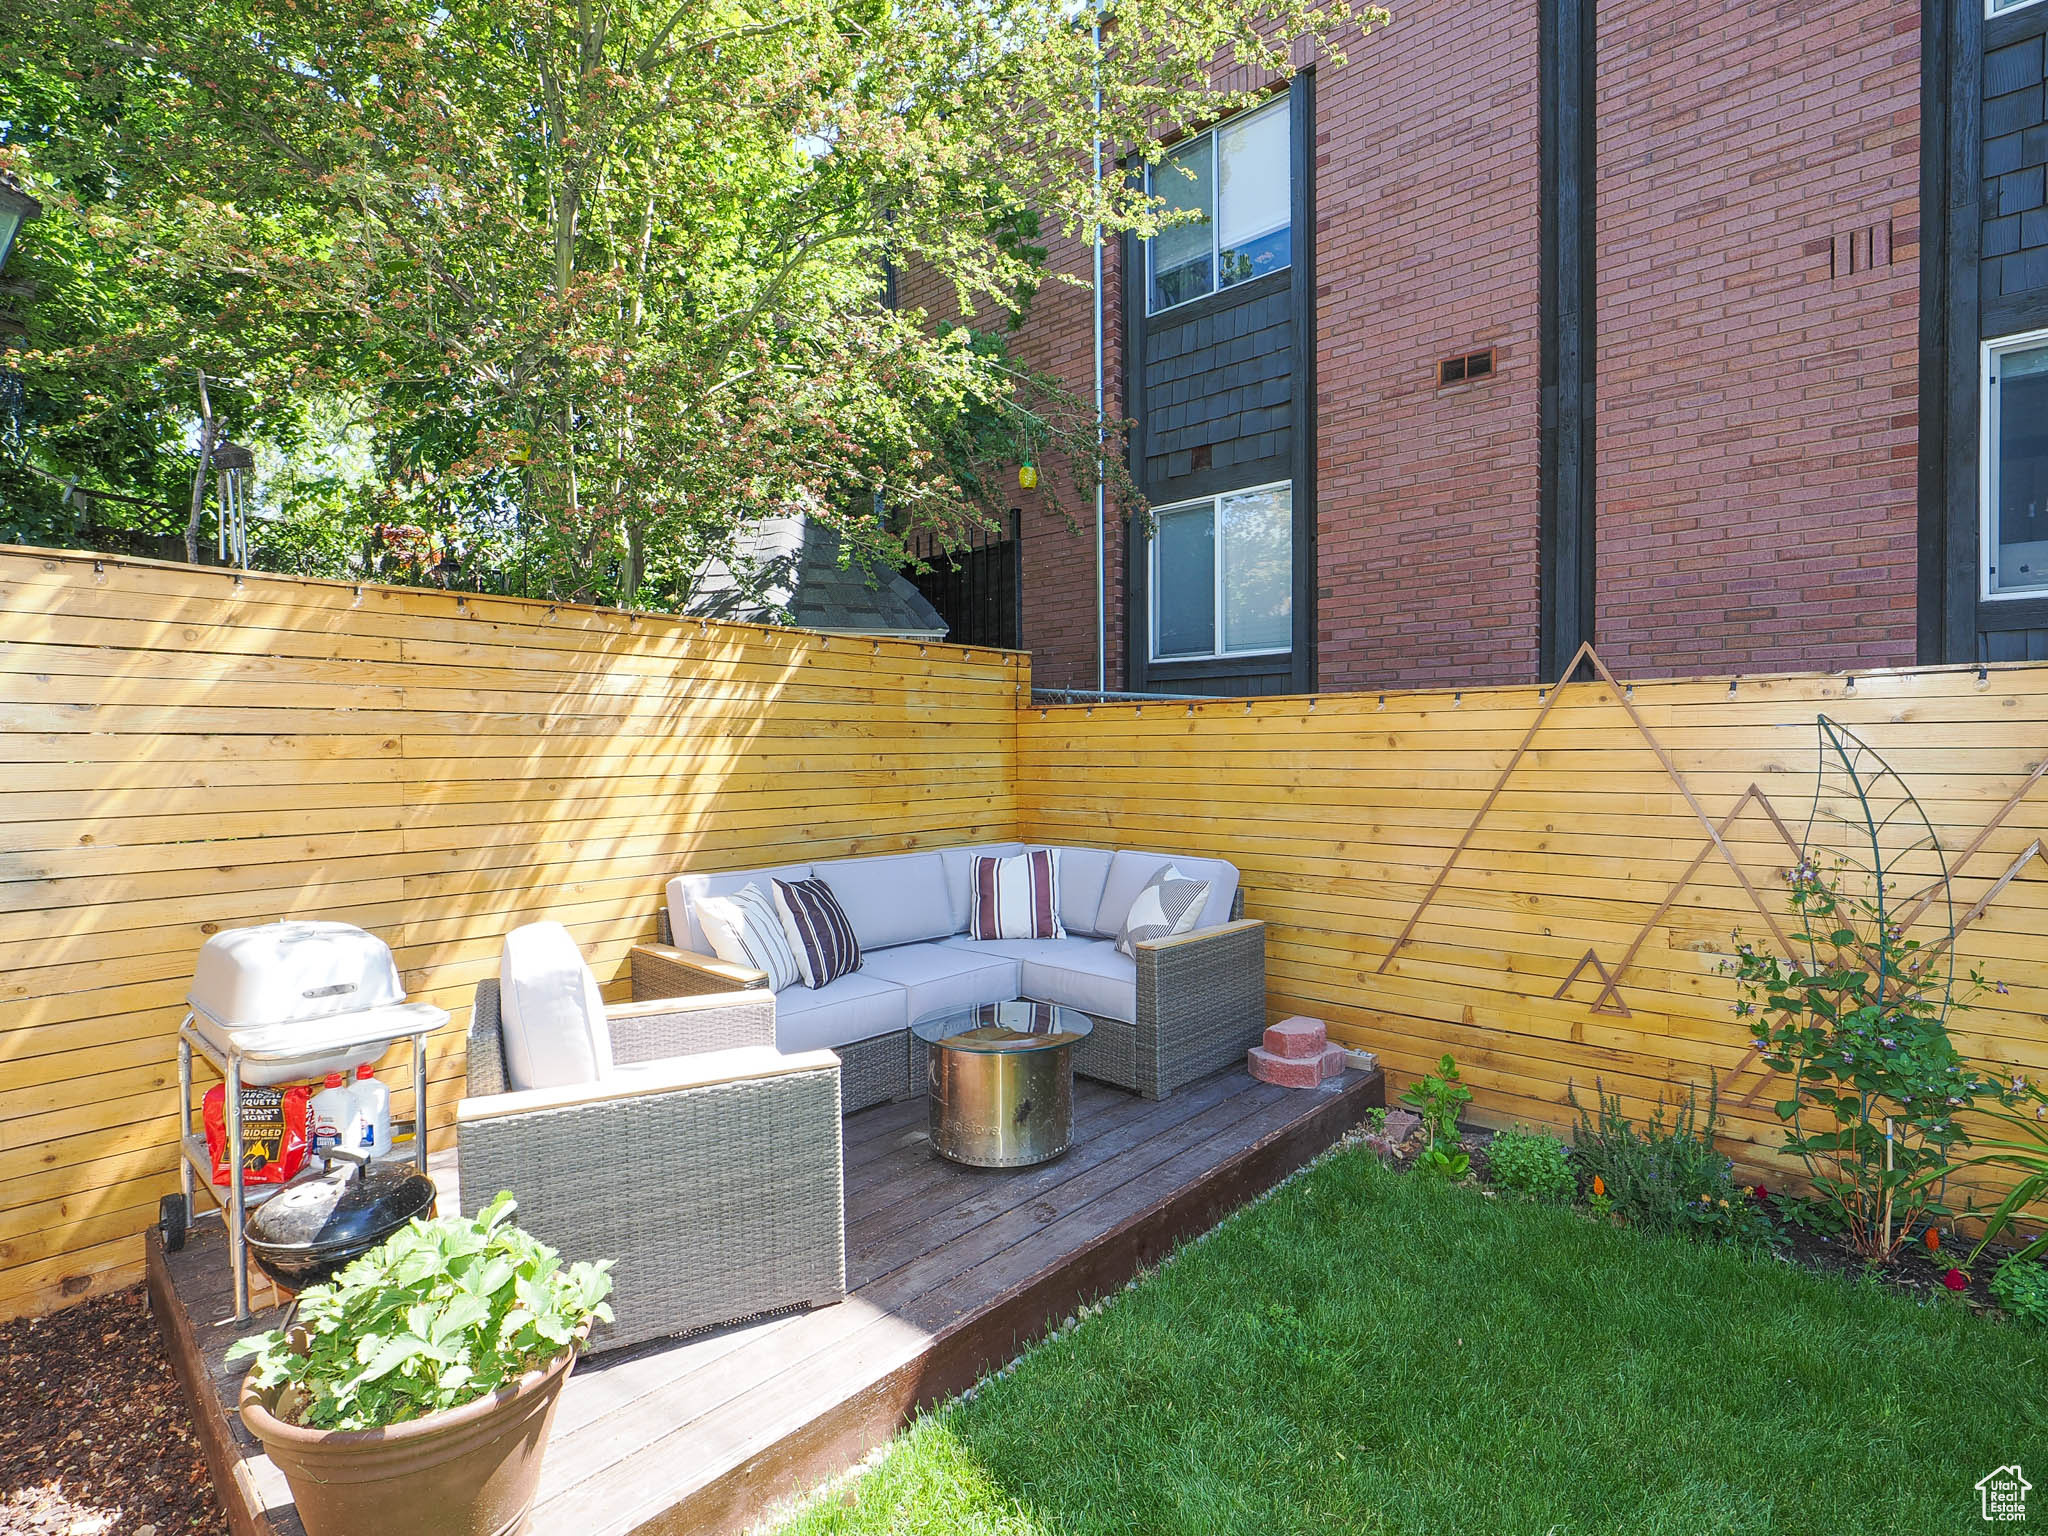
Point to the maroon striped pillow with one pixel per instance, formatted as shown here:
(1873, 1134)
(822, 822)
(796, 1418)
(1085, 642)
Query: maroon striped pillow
(818, 931)
(1016, 897)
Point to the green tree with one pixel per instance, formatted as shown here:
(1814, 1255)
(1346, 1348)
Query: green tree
(612, 271)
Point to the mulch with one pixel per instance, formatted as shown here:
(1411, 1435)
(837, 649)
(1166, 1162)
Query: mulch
(95, 1439)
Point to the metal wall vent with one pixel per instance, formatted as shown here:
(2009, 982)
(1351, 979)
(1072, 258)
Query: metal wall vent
(1468, 369)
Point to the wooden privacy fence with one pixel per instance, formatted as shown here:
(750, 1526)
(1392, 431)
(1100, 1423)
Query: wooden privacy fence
(1528, 879)
(186, 751)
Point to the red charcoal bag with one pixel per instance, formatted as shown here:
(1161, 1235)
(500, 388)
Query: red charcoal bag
(273, 1133)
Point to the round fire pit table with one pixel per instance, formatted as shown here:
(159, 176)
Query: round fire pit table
(1002, 1081)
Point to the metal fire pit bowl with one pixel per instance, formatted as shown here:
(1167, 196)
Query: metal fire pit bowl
(1002, 1081)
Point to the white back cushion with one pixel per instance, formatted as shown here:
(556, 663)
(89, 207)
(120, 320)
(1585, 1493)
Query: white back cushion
(959, 864)
(684, 889)
(895, 898)
(550, 1011)
(1130, 871)
(1082, 873)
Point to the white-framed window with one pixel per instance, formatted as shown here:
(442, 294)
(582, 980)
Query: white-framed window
(2000, 7)
(1239, 178)
(1222, 575)
(2014, 458)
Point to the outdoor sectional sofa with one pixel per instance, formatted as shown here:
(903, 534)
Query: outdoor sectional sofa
(1183, 1008)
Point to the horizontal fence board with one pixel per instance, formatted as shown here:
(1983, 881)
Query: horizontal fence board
(192, 751)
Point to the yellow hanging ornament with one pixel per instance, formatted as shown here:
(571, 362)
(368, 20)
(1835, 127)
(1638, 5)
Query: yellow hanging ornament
(1027, 475)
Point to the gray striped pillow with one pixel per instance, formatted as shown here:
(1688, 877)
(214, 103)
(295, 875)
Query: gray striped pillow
(1170, 904)
(819, 934)
(745, 929)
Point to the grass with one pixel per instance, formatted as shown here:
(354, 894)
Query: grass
(1376, 1352)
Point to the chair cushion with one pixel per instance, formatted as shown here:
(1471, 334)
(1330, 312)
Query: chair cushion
(1082, 872)
(1131, 871)
(1169, 905)
(685, 889)
(1015, 897)
(959, 864)
(745, 928)
(852, 1008)
(551, 1014)
(942, 977)
(820, 935)
(897, 898)
(1087, 974)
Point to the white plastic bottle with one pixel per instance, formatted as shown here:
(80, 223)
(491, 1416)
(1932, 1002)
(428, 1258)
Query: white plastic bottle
(373, 1104)
(328, 1118)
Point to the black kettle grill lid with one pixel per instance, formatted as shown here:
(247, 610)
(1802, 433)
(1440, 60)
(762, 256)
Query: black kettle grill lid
(341, 1207)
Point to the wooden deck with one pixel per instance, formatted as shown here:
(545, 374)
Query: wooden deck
(950, 1272)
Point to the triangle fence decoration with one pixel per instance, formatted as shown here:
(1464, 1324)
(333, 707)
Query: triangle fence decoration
(1716, 842)
(1608, 988)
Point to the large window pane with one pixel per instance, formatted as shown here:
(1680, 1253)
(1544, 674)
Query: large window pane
(1181, 264)
(1254, 201)
(1184, 583)
(1258, 570)
(2019, 470)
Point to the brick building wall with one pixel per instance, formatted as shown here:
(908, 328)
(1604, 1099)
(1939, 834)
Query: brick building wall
(1058, 337)
(1425, 246)
(1756, 421)
(1756, 332)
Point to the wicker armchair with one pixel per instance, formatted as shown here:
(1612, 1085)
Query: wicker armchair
(1201, 1005)
(709, 1170)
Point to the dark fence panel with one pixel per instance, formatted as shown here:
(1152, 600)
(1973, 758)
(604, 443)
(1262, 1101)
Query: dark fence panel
(979, 589)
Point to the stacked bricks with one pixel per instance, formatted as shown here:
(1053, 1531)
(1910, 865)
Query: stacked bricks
(1297, 1054)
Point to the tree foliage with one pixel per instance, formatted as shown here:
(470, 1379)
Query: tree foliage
(608, 276)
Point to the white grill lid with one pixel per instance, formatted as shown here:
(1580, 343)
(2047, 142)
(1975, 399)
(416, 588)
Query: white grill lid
(284, 972)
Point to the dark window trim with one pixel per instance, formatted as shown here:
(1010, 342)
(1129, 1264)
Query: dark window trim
(1566, 486)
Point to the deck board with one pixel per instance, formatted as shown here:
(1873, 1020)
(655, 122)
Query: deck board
(951, 1272)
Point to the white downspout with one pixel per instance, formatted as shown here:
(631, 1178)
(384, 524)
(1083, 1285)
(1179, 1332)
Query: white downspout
(1101, 434)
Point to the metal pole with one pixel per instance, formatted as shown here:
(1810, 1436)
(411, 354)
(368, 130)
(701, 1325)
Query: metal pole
(1101, 435)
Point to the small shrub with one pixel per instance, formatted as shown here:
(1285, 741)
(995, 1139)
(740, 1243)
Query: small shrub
(1376, 1119)
(1532, 1163)
(1438, 1097)
(1665, 1178)
(2021, 1287)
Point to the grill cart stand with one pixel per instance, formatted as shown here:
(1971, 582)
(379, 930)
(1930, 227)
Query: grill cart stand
(277, 1053)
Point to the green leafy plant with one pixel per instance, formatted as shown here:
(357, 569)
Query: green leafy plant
(1859, 1027)
(1438, 1097)
(1376, 1119)
(1532, 1163)
(2021, 1287)
(1664, 1178)
(440, 1314)
(2022, 1149)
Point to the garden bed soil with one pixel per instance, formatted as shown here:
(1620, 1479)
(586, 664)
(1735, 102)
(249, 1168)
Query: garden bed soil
(95, 1439)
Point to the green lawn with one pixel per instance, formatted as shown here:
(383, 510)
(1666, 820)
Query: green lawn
(1376, 1352)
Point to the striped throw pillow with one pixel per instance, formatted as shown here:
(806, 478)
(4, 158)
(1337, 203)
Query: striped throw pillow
(819, 935)
(745, 929)
(1016, 897)
(1170, 904)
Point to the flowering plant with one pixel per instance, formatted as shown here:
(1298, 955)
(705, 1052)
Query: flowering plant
(1860, 1027)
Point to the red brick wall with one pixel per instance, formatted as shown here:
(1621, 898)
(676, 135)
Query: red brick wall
(1426, 242)
(1756, 429)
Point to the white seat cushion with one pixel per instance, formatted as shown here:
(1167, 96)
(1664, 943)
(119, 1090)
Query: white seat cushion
(897, 898)
(1082, 873)
(959, 865)
(550, 1012)
(946, 976)
(1131, 871)
(1087, 974)
(851, 1008)
(682, 922)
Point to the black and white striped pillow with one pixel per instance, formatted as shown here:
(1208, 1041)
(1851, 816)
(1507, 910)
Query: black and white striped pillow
(819, 934)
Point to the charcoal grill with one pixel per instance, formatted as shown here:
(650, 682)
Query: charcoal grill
(282, 1003)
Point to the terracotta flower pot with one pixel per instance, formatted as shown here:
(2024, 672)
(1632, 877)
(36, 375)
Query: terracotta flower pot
(470, 1471)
